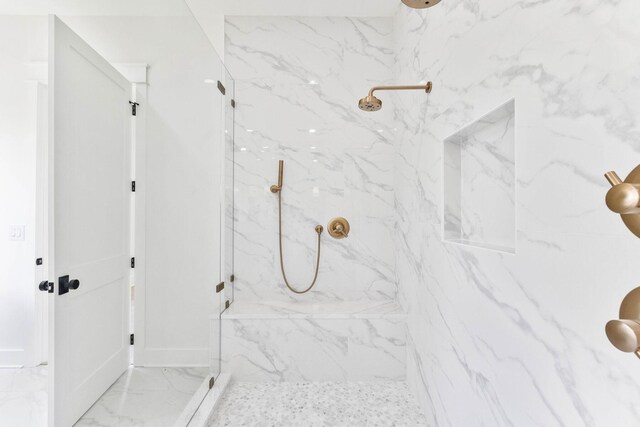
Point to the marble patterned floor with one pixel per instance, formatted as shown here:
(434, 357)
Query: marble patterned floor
(315, 404)
(140, 397)
(145, 397)
(23, 397)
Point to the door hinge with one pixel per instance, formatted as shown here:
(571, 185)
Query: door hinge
(219, 287)
(212, 381)
(227, 303)
(134, 108)
(232, 278)
(133, 186)
(133, 262)
(131, 340)
(221, 88)
(233, 103)
(39, 261)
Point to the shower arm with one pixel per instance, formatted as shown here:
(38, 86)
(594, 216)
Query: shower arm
(426, 87)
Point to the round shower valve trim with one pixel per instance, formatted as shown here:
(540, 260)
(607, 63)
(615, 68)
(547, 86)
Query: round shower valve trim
(339, 228)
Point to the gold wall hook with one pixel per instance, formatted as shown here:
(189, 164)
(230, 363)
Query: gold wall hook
(624, 334)
(624, 198)
(339, 228)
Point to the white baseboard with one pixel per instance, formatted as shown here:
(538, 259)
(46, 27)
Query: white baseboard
(12, 358)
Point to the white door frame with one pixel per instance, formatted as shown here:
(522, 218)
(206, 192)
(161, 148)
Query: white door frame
(136, 73)
(40, 346)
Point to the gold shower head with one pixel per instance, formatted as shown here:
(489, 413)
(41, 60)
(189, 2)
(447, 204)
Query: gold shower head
(371, 103)
(420, 4)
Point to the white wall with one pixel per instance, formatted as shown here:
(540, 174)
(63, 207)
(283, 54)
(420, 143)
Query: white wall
(22, 40)
(184, 120)
(497, 338)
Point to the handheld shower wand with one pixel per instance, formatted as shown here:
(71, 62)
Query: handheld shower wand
(278, 189)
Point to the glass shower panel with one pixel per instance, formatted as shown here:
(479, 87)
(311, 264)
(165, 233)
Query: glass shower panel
(228, 185)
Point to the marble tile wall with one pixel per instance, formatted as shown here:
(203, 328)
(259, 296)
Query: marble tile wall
(314, 349)
(298, 81)
(479, 160)
(519, 338)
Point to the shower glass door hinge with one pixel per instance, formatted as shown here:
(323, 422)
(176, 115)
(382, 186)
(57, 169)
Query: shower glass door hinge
(133, 262)
(134, 108)
(133, 186)
(233, 103)
(221, 88)
(131, 340)
(219, 287)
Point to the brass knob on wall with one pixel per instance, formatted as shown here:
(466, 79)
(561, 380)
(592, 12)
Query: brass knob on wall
(339, 228)
(624, 334)
(624, 198)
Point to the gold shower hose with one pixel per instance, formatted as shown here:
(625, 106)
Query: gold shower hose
(284, 275)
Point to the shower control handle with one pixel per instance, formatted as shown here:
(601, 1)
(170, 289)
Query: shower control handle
(624, 198)
(624, 334)
(339, 228)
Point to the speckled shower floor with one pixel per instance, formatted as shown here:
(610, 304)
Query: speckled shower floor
(352, 404)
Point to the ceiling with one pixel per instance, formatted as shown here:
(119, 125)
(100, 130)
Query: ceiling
(94, 7)
(209, 13)
(355, 8)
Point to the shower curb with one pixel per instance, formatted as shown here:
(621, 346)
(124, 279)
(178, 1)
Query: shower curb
(199, 410)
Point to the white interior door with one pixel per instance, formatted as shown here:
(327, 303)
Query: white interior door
(88, 225)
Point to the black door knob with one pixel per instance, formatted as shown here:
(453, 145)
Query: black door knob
(65, 284)
(44, 286)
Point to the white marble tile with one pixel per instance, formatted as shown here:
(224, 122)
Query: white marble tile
(145, 397)
(6, 378)
(520, 338)
(367, 309)
(365, 343)
(479, 182)
(354, 404)
(285, 87)
(23, 409)
(23, 397)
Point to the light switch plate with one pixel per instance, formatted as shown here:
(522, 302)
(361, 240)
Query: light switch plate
(16, 233)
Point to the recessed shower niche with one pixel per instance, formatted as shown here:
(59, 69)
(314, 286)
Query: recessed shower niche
(479, 182)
